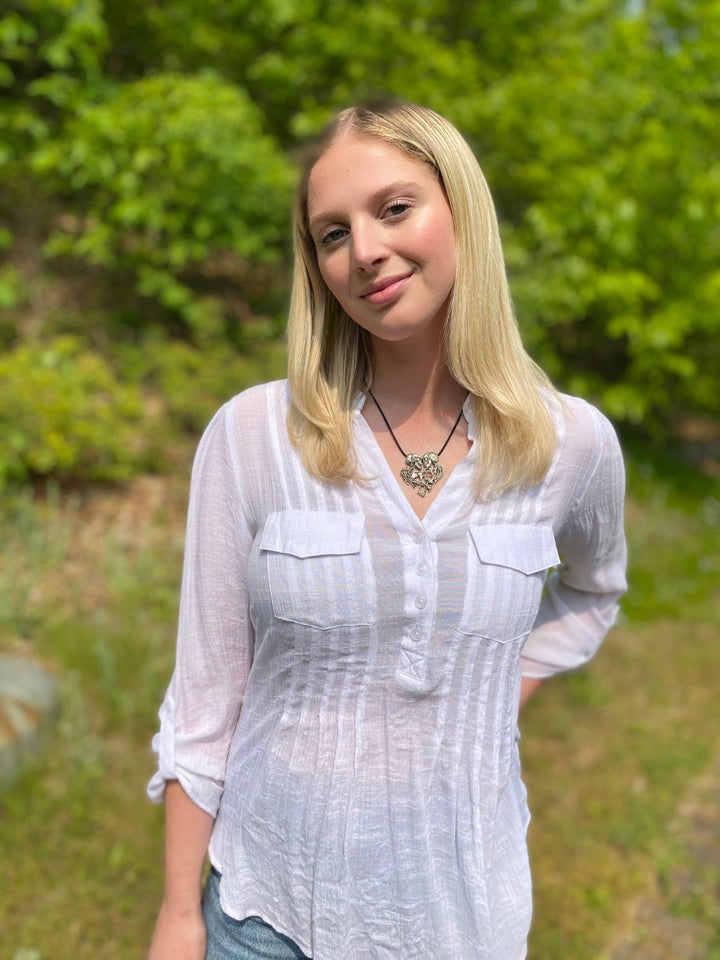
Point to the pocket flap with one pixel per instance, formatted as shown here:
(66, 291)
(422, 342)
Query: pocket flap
(312, 533)
(520, 546)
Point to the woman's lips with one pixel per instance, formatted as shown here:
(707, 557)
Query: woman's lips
(384, 291)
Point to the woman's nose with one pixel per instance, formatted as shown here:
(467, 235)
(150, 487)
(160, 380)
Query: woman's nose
(367, 244)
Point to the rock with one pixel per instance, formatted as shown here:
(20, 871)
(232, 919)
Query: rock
(29, 702)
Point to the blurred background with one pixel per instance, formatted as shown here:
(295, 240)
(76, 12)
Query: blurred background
(148, 151)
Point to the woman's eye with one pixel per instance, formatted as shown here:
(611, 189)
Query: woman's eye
(397, 208)
(332, 236)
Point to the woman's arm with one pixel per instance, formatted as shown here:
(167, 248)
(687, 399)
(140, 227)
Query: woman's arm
(180, 931)
(201, 707)
(581, 596)
(527, 688)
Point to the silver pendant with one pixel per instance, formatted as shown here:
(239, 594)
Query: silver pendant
(421, 473)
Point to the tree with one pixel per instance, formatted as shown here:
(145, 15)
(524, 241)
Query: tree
(611, 226)
(159, 140)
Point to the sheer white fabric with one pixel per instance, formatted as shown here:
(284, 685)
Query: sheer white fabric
(346, 690)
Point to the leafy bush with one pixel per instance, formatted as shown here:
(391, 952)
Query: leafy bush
(166, 172)
(191, 383)
(152, 148)
(64, 413)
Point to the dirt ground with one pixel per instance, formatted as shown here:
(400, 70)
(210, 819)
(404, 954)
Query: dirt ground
(655, 927)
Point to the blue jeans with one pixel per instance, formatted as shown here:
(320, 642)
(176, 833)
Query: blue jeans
(249, 939)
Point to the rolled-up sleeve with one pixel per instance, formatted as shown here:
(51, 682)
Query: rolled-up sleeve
(580, 602)
(215, 641)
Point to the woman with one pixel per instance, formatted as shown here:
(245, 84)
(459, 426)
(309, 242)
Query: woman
(363, 609)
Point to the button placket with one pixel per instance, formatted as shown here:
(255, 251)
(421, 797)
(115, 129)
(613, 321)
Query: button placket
(421, 568)
(418, 608)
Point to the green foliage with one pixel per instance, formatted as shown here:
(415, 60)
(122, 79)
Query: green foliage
(614, 254)
(50, 59)
(11, 286)
(36, 540)
(150, 149)
(153, 179)
(164, 174)
(64, 413)
(67, 413)
(686, 540)
(193, 383)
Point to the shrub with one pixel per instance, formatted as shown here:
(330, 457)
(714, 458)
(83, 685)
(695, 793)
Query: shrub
(64, 413)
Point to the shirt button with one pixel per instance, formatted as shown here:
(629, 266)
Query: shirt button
(419, 538)
(416, 636)
(420, 601)
(421, 569)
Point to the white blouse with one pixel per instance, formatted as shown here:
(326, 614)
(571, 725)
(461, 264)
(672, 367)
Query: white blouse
(346, 690)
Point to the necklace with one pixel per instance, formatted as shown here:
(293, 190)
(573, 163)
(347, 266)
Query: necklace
(420, 473)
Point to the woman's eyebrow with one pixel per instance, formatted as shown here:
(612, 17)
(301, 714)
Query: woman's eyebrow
(397, 186)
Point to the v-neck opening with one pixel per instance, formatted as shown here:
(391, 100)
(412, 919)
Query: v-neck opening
(387, 477)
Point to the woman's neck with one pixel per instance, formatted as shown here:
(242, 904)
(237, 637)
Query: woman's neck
(417, 382)
(415, 411)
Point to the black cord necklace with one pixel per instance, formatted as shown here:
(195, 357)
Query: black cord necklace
(420, 473)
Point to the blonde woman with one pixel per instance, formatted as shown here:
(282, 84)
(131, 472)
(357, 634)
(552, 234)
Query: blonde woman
(386, 554)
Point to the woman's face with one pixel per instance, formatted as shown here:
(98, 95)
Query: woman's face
(384, 237)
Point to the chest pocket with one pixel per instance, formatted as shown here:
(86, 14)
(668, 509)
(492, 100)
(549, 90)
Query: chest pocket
(507, 565)
(318, 573)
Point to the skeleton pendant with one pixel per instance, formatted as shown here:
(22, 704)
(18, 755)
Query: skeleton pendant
(421, 473)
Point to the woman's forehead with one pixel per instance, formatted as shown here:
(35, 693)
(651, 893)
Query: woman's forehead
(354, 164)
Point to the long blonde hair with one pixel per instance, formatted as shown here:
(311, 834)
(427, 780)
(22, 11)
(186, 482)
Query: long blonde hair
(330, 356)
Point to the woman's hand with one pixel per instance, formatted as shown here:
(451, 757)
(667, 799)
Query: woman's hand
(180, 930)
(528, 688)
(178, 937)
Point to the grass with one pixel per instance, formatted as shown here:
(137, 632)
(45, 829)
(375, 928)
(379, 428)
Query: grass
(88, 585)
(609, 751)
(81, 847)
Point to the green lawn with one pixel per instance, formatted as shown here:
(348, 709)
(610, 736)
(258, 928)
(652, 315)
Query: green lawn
(88, 585)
